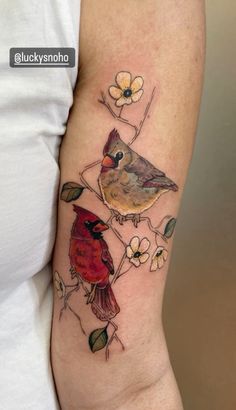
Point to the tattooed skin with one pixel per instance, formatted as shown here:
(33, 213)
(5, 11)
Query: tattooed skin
(128, 185)
(91, 260)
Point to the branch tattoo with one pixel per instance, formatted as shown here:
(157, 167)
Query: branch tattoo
(128, 185)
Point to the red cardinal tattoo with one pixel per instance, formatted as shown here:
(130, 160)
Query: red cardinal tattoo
(128, 182)
(91, 260)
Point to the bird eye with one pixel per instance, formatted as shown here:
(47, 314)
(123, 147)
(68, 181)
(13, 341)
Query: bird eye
(119, 155)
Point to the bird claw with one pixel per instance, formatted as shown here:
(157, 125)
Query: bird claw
(136, 220)
(73, 272)
(120, 218)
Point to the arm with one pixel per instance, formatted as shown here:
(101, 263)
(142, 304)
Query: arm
(125, 154)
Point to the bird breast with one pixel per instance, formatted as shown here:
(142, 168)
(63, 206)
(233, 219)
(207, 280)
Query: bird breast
(123, 192)
(86, 258)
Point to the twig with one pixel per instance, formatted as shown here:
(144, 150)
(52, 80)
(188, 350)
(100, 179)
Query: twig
(114, 115)
(151, 227)
(116, 275)
(84, 181)
(77, 316)
(66, 297)
(136, 129)
(66, 305)
(123, 273)
(144, 118)
(121, 110)
(163, 219)
(114, 230)
(112, 337)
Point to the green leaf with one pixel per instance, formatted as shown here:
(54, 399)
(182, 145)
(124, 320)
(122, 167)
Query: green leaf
(98, 339)
(71, 191)
(170, 227)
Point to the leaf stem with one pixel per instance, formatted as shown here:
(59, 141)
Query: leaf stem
(85, 182)
(121, 110)
(78, 317)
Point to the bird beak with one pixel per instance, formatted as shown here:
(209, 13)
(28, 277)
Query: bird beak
(100, 227)
(108, 161)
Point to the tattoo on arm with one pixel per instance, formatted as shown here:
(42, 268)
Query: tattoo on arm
(128, 185)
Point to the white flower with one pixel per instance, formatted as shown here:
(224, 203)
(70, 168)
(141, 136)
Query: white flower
(136, 251)
(127, 90)
(159, 258)
(59, 285)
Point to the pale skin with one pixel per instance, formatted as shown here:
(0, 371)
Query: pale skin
(163, 41)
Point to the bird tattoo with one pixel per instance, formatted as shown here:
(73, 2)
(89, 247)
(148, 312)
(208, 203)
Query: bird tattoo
(91, 261)
(129, 183)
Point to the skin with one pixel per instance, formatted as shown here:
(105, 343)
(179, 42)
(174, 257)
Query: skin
(162, 40)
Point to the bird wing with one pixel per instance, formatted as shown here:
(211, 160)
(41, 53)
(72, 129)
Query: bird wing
(143, 168)
(106, 257)
(149, 176)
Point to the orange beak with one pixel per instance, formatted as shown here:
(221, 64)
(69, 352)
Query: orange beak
(100, 227)
(108, 161)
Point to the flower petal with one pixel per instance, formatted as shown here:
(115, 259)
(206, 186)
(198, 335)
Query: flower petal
(57, 276)
(135, 261)
(129, 252)
(144, 257)
(57, 285)
(136, 96)
(144, 245)
(160, 262)
(123, 79)
(165, 254)
(154, 264)
(123, 101)
(134, 243)
(60, 294)
(115, 92)
(137, 84)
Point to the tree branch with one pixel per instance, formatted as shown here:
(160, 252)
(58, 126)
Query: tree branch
(84, 181)
(144, 118)
(152, 228)
(116, 275)
(114, 115)
(66, 305)
(136, 129)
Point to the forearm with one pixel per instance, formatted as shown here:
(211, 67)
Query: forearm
(120, 198)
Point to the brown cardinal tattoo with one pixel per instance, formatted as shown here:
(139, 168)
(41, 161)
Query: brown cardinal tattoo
(129, 183)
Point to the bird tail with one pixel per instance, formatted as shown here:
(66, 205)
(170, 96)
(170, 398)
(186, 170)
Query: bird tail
(104, 305)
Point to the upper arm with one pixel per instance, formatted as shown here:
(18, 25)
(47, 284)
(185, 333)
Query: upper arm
(161, 42)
